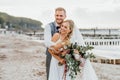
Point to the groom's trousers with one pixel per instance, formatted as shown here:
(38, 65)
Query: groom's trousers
(48, 60)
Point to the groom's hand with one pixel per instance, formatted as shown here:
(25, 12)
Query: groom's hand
(54, 50)
(58, 46)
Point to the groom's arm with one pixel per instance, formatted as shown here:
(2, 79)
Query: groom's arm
(48, 36)
(56, 56)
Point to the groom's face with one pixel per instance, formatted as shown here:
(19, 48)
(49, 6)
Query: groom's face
(60, 16)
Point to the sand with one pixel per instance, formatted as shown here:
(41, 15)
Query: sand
(23, 58)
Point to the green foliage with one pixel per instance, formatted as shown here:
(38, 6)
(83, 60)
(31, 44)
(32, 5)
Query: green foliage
(20, 22)
(72, 63)
(1, 20)
(83, 50)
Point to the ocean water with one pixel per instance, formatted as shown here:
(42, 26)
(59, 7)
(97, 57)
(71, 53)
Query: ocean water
(101, 31)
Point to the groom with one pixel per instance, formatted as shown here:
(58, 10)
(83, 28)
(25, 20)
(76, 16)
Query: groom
(50, 29)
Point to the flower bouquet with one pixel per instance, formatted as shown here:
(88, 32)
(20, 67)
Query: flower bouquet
(72, 56)
(76, 56)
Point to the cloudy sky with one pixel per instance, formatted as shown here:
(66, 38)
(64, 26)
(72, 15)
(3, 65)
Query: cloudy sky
(85, 13)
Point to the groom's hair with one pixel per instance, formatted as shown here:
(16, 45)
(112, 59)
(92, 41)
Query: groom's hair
(60, 9)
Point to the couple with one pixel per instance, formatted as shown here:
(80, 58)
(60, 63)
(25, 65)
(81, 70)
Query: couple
(60, 33)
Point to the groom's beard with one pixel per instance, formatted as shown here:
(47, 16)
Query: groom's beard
(59, 22)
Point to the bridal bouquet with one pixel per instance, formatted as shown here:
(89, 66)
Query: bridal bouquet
(74, 55)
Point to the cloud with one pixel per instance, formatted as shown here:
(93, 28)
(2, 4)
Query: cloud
(85, 13)
(100, 19)
(46, 17)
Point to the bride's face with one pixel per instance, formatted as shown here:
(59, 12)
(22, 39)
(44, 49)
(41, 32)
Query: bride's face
(65, 29)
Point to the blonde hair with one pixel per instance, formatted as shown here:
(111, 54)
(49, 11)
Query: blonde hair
(60, 9)
(71, 26)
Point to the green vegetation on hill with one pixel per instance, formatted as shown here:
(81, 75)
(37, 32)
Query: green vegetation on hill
(19, 23)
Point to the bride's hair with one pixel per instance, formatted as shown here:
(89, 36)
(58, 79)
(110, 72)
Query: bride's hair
(71, 26)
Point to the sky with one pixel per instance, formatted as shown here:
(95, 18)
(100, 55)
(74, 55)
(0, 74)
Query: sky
(85, 13)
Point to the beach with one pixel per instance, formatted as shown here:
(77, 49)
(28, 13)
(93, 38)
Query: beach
(23, 58)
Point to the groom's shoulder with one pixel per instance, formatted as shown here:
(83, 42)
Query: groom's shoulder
(51, 23)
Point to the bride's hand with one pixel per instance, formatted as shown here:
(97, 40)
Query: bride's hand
(64, 52)
(62, 61)
(76, 51)
(82, 62)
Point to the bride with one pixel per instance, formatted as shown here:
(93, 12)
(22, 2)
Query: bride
(68, 33)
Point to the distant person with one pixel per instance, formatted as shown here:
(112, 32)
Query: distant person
(50, 29)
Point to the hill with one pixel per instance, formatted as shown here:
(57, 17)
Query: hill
(19, 23)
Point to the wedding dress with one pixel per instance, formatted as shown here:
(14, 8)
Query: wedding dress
(88, 72)
(56, 72)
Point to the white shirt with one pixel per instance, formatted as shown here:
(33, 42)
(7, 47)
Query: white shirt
(48, 36)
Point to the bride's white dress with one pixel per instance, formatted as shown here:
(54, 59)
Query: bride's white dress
(56, 72)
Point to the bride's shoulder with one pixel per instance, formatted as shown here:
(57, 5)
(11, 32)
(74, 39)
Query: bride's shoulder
(55, 37)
